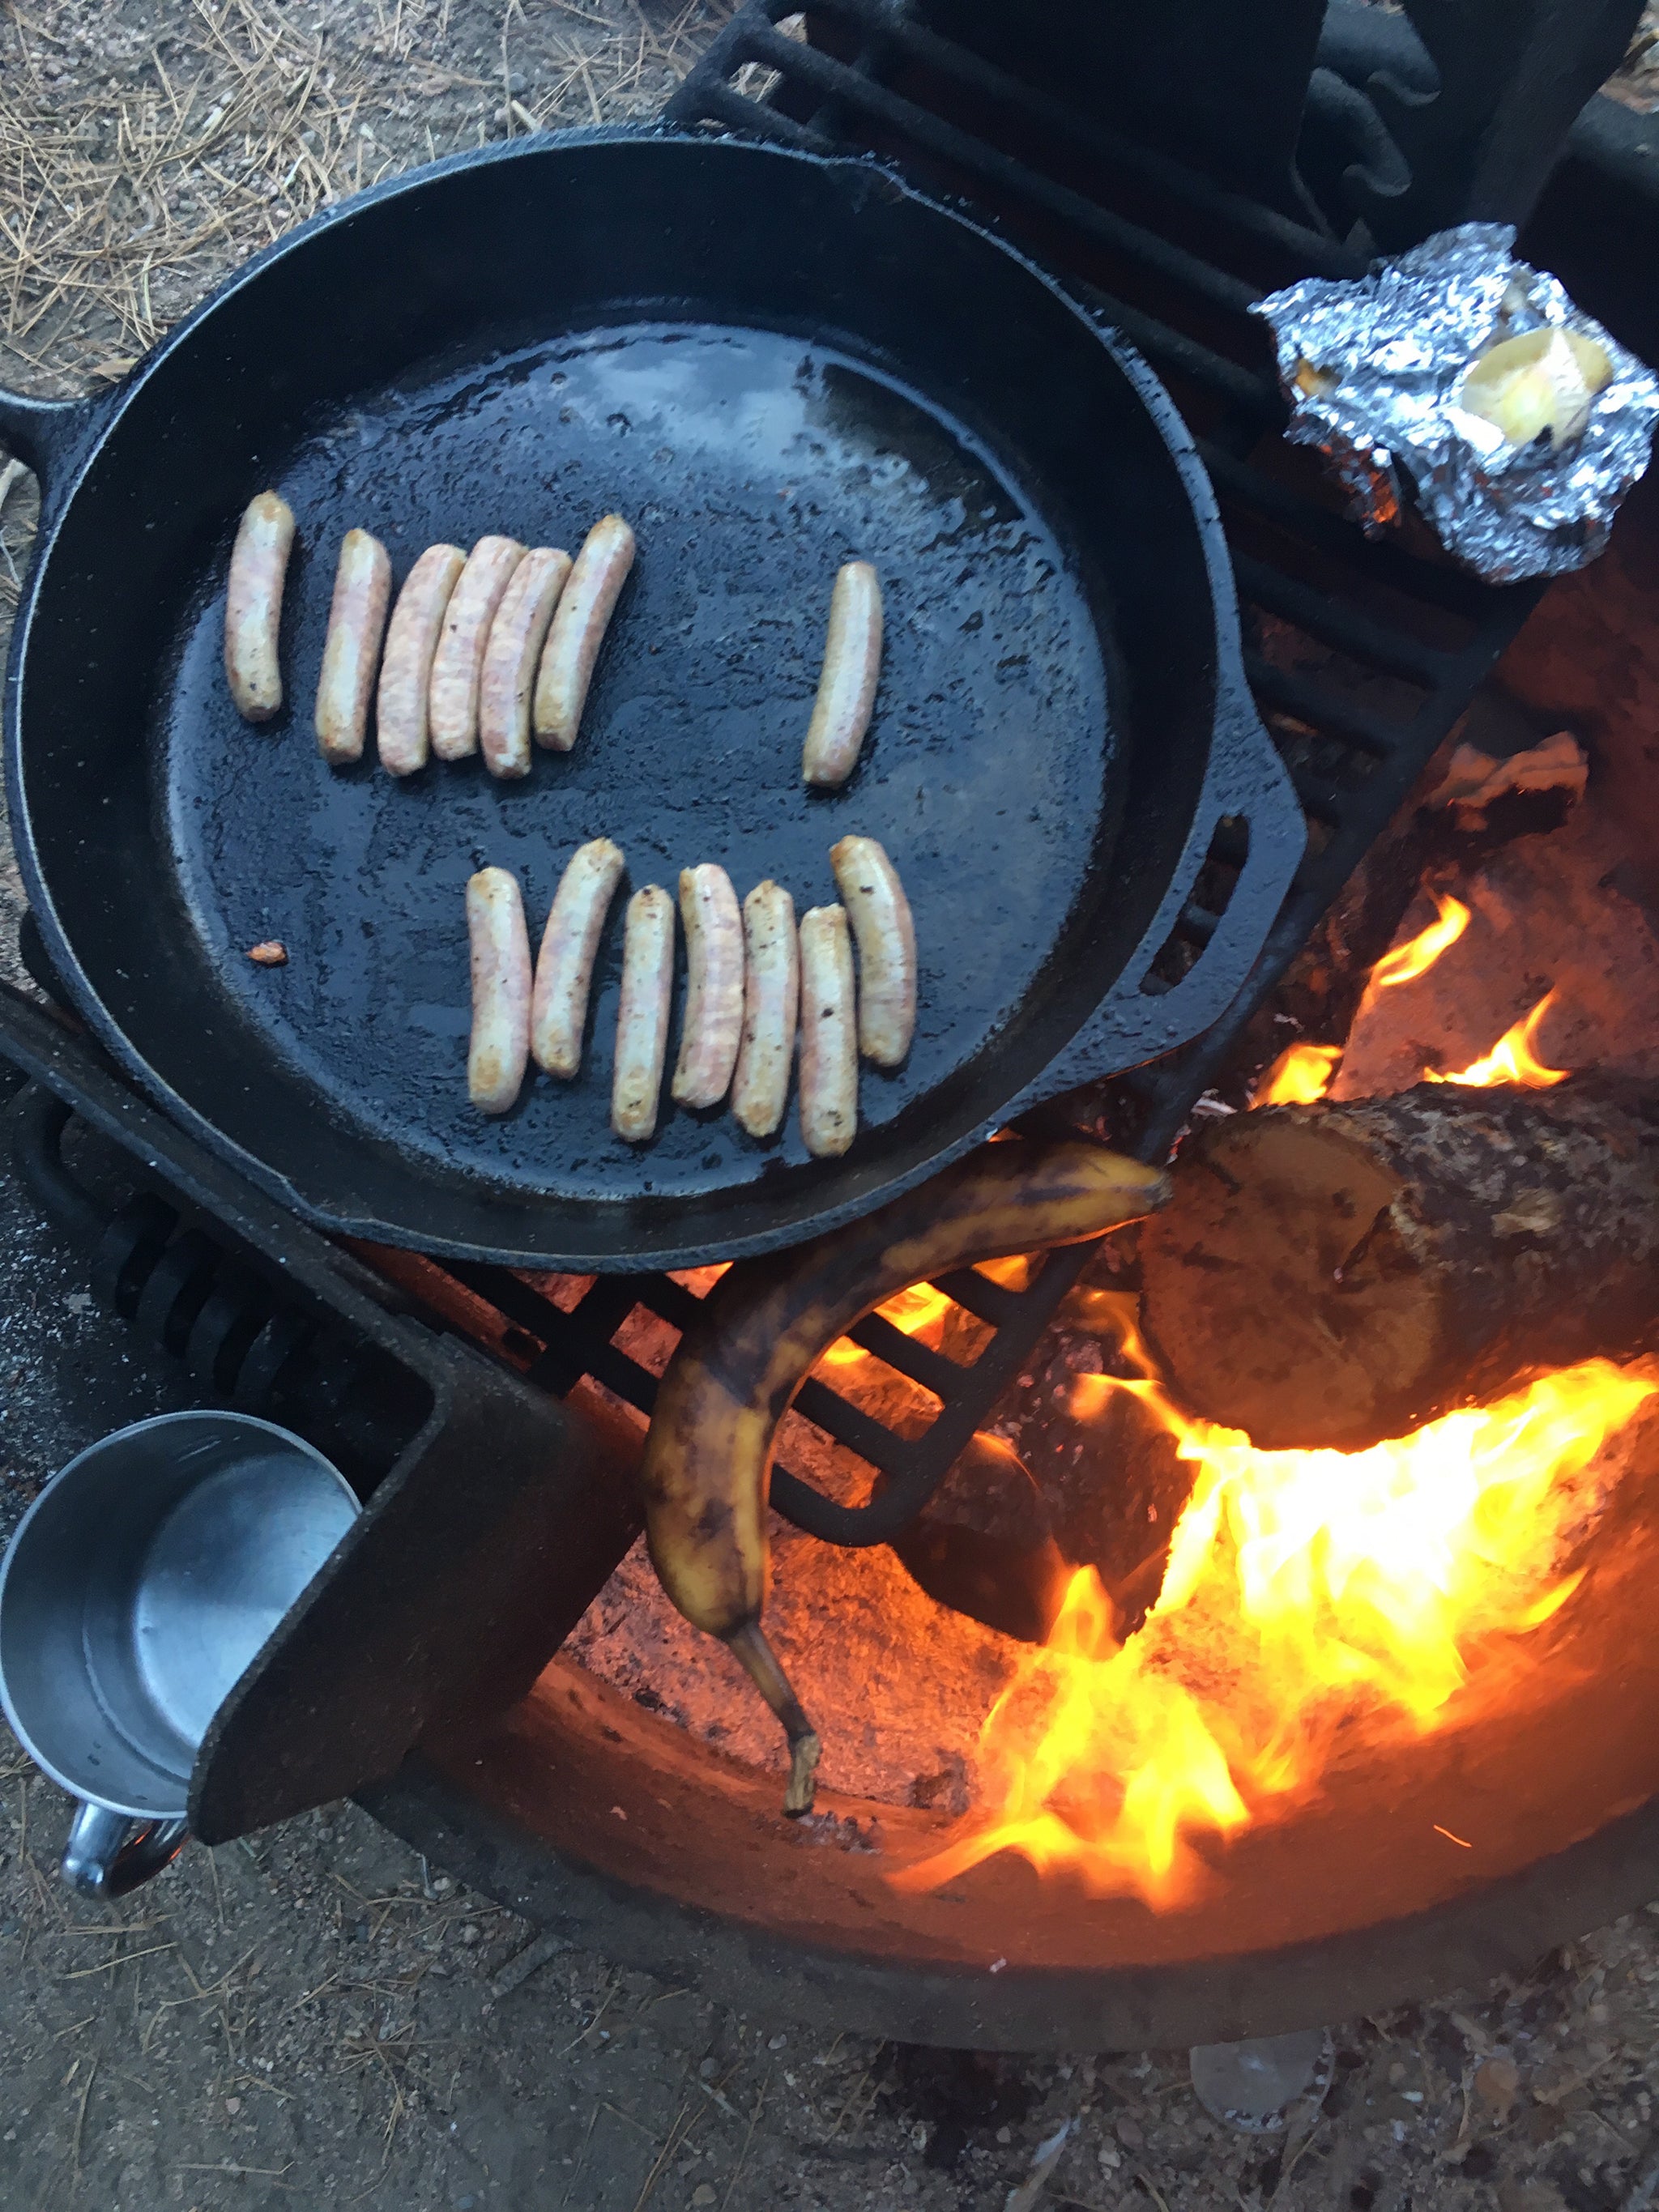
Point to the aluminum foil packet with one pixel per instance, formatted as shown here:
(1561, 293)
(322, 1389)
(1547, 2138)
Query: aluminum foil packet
(1377, 374)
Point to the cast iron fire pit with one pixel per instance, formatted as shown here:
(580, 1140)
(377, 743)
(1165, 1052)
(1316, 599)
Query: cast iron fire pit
(580, 1807)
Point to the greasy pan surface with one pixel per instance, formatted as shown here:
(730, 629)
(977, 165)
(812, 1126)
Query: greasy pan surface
(770, 365)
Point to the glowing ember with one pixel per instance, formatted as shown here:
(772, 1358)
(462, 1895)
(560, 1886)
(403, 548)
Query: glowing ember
(1407, 961)
(1304, 1590)
(1300, 1076)
(1511, 1060)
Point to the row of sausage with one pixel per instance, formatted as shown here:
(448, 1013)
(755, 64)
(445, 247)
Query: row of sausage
(484, 650)
(756, 984)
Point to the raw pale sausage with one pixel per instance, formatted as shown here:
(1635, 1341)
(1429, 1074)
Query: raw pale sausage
(648, 984)
(828, 1042)
(712, 1027)
(880, 915)
(253, 605)
(510, 658)
(578, 631)
(500, 990)
(411, 639)
(351, 653)
(760, 1088)
(851, 670)
(564, 968)
(453, 711)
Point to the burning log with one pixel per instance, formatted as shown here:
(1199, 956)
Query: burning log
(984, 1544)
(1335, 1274)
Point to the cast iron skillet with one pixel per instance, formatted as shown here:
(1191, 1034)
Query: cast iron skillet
(771, 363)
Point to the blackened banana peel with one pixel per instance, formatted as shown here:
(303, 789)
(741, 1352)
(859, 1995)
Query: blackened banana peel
(767, 1322)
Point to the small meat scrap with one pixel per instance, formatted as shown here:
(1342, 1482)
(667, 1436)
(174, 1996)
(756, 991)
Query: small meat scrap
(271, 954)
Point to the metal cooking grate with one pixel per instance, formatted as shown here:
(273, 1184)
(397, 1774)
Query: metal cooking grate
(1361, 657)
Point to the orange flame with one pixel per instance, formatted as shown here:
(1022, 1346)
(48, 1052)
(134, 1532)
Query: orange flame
(1300, 1076)
(1407, 961)
(1304, 1589)
(1511, 1060)
(916, 1311)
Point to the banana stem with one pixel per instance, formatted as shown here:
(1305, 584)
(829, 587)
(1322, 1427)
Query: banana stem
(748, 1643)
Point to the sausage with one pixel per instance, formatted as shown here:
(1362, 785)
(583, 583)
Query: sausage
(648, 984)
(760, 1088)
(578, 631)
(452, 713)
(851, 670)
(351, 655)
(564, 969)
(880, 915)
(500, 990)
(510, 657)
(828, 1043)
(712, 1027)
(411, 639)
(253, 605)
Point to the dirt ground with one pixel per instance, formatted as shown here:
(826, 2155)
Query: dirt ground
(315, 2016)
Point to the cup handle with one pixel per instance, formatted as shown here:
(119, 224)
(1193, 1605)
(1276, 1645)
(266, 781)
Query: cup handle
(108, 1854)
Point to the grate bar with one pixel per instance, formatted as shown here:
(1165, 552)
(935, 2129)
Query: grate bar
(1171, 350)
(1335, 622)
(994, 1304)
(917, 1362)
(835, 81)
(851, 1426)
(1430, 583)
(669, 1300)
(1325, 710)
(724, 103)
(1316, 252)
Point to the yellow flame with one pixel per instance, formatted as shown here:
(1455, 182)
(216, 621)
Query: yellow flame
(1304, 1589)
(1301, 1075)
(1015, 1274)
(1407, 961)
(1511, 1060)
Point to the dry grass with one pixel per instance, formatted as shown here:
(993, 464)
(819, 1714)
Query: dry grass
(228, 121)
(147, 146)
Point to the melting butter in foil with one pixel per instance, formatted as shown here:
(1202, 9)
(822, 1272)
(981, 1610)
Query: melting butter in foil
(1460, 379)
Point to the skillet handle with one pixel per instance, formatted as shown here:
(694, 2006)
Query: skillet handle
(1247, 788)
(44, 433)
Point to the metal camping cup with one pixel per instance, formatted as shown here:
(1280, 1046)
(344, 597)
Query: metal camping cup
(136, 1591)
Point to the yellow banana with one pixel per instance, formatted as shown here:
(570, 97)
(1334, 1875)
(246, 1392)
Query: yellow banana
(764, 1327)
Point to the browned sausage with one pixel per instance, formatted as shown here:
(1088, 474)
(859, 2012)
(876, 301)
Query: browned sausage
(578, 631)
(880, 915)
(351, 653)
(401, 707)
(253, 605)
(452, 713)
(851, 670)
(564, 967)
(713, 1028)
(647, 985)
(510, 658)
(771, 970)
(500, 990)
(829, 1038)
